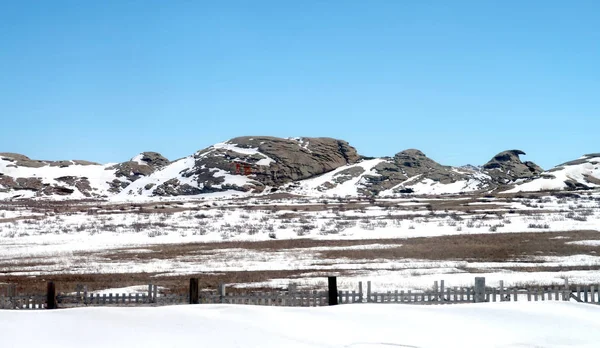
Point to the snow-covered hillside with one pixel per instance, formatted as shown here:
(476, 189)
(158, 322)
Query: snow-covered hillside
(21, 177)
(582, 173)
(181, 176)
(358, 180)
(506, 324)
(262, 165)
(77, 180)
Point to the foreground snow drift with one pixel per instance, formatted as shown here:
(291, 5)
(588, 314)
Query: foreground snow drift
(541, 324)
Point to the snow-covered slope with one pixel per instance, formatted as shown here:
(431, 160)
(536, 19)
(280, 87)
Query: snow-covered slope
(503, 324)
(180, 178)
(348, 180)
(245, 165)
(369, 178)
(21, 177)
(72, 180)
(583, 173)
(262, 164)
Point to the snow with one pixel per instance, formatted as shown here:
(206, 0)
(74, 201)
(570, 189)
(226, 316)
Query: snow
(314, 186)
(428, 186)
(265, 161)
(97, 175)
(391, 191)
(506, 324)
(173, 170)
(235, 148)
(238, 180)
(574, 172)
(318, 186)
(586, 242)
(138, 160)
(142, 289)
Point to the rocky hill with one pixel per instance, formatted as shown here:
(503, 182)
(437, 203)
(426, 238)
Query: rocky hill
(506, 167)
(22, 177)
(247, 164)
(580, 174)
(412, 172)
(261, 164)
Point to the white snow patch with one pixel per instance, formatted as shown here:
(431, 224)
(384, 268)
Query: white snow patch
(506, 324)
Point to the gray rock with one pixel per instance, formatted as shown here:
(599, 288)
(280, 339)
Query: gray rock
(266, 161)
(130, 171)
(506, 167)
(154, 159)
(414, 165)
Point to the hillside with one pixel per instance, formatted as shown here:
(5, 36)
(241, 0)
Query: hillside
(580, 174)
(304, 166)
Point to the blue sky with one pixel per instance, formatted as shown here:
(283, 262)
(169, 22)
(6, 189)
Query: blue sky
(459, 80)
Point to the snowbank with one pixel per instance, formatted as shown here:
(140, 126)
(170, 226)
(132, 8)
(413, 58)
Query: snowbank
(541, 324)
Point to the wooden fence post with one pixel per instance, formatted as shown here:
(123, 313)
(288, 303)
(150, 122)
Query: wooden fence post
(51, 296)
(479, 289)
(222, 292)
(12, 290)
(194, 291)
(333, 291)
(360, 292)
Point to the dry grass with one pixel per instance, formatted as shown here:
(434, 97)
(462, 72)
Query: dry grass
(490, 247)
(172, 284)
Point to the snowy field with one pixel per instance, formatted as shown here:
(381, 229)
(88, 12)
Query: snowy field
(493, 325)
(401, 243)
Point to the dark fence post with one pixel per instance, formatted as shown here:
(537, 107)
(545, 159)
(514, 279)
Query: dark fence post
(194, 295)
(479, 289)
(333, 291)
(51, 296)
(222, 293)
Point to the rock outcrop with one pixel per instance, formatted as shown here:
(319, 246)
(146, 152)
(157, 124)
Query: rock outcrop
(506, 167)
(266, 164)
(580, 174)
(408, 168)
(250, 164)
(26, 177)
(19, 160)
(139, 166)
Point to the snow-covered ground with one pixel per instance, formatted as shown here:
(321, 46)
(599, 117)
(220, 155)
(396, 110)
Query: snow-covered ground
(493, 325)
(87, 238)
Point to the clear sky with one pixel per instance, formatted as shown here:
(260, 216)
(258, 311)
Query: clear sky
(459, 80)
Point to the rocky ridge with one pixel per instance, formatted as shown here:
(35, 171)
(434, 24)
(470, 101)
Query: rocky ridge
(261, 164)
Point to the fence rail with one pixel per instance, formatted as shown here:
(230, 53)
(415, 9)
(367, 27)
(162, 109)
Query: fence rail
(437, 295)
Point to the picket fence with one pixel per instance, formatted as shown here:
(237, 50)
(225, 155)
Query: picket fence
(481, 293)
(438, 294)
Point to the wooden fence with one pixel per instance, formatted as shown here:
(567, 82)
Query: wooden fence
(23, 302)
(437, 295)
(480, 293)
